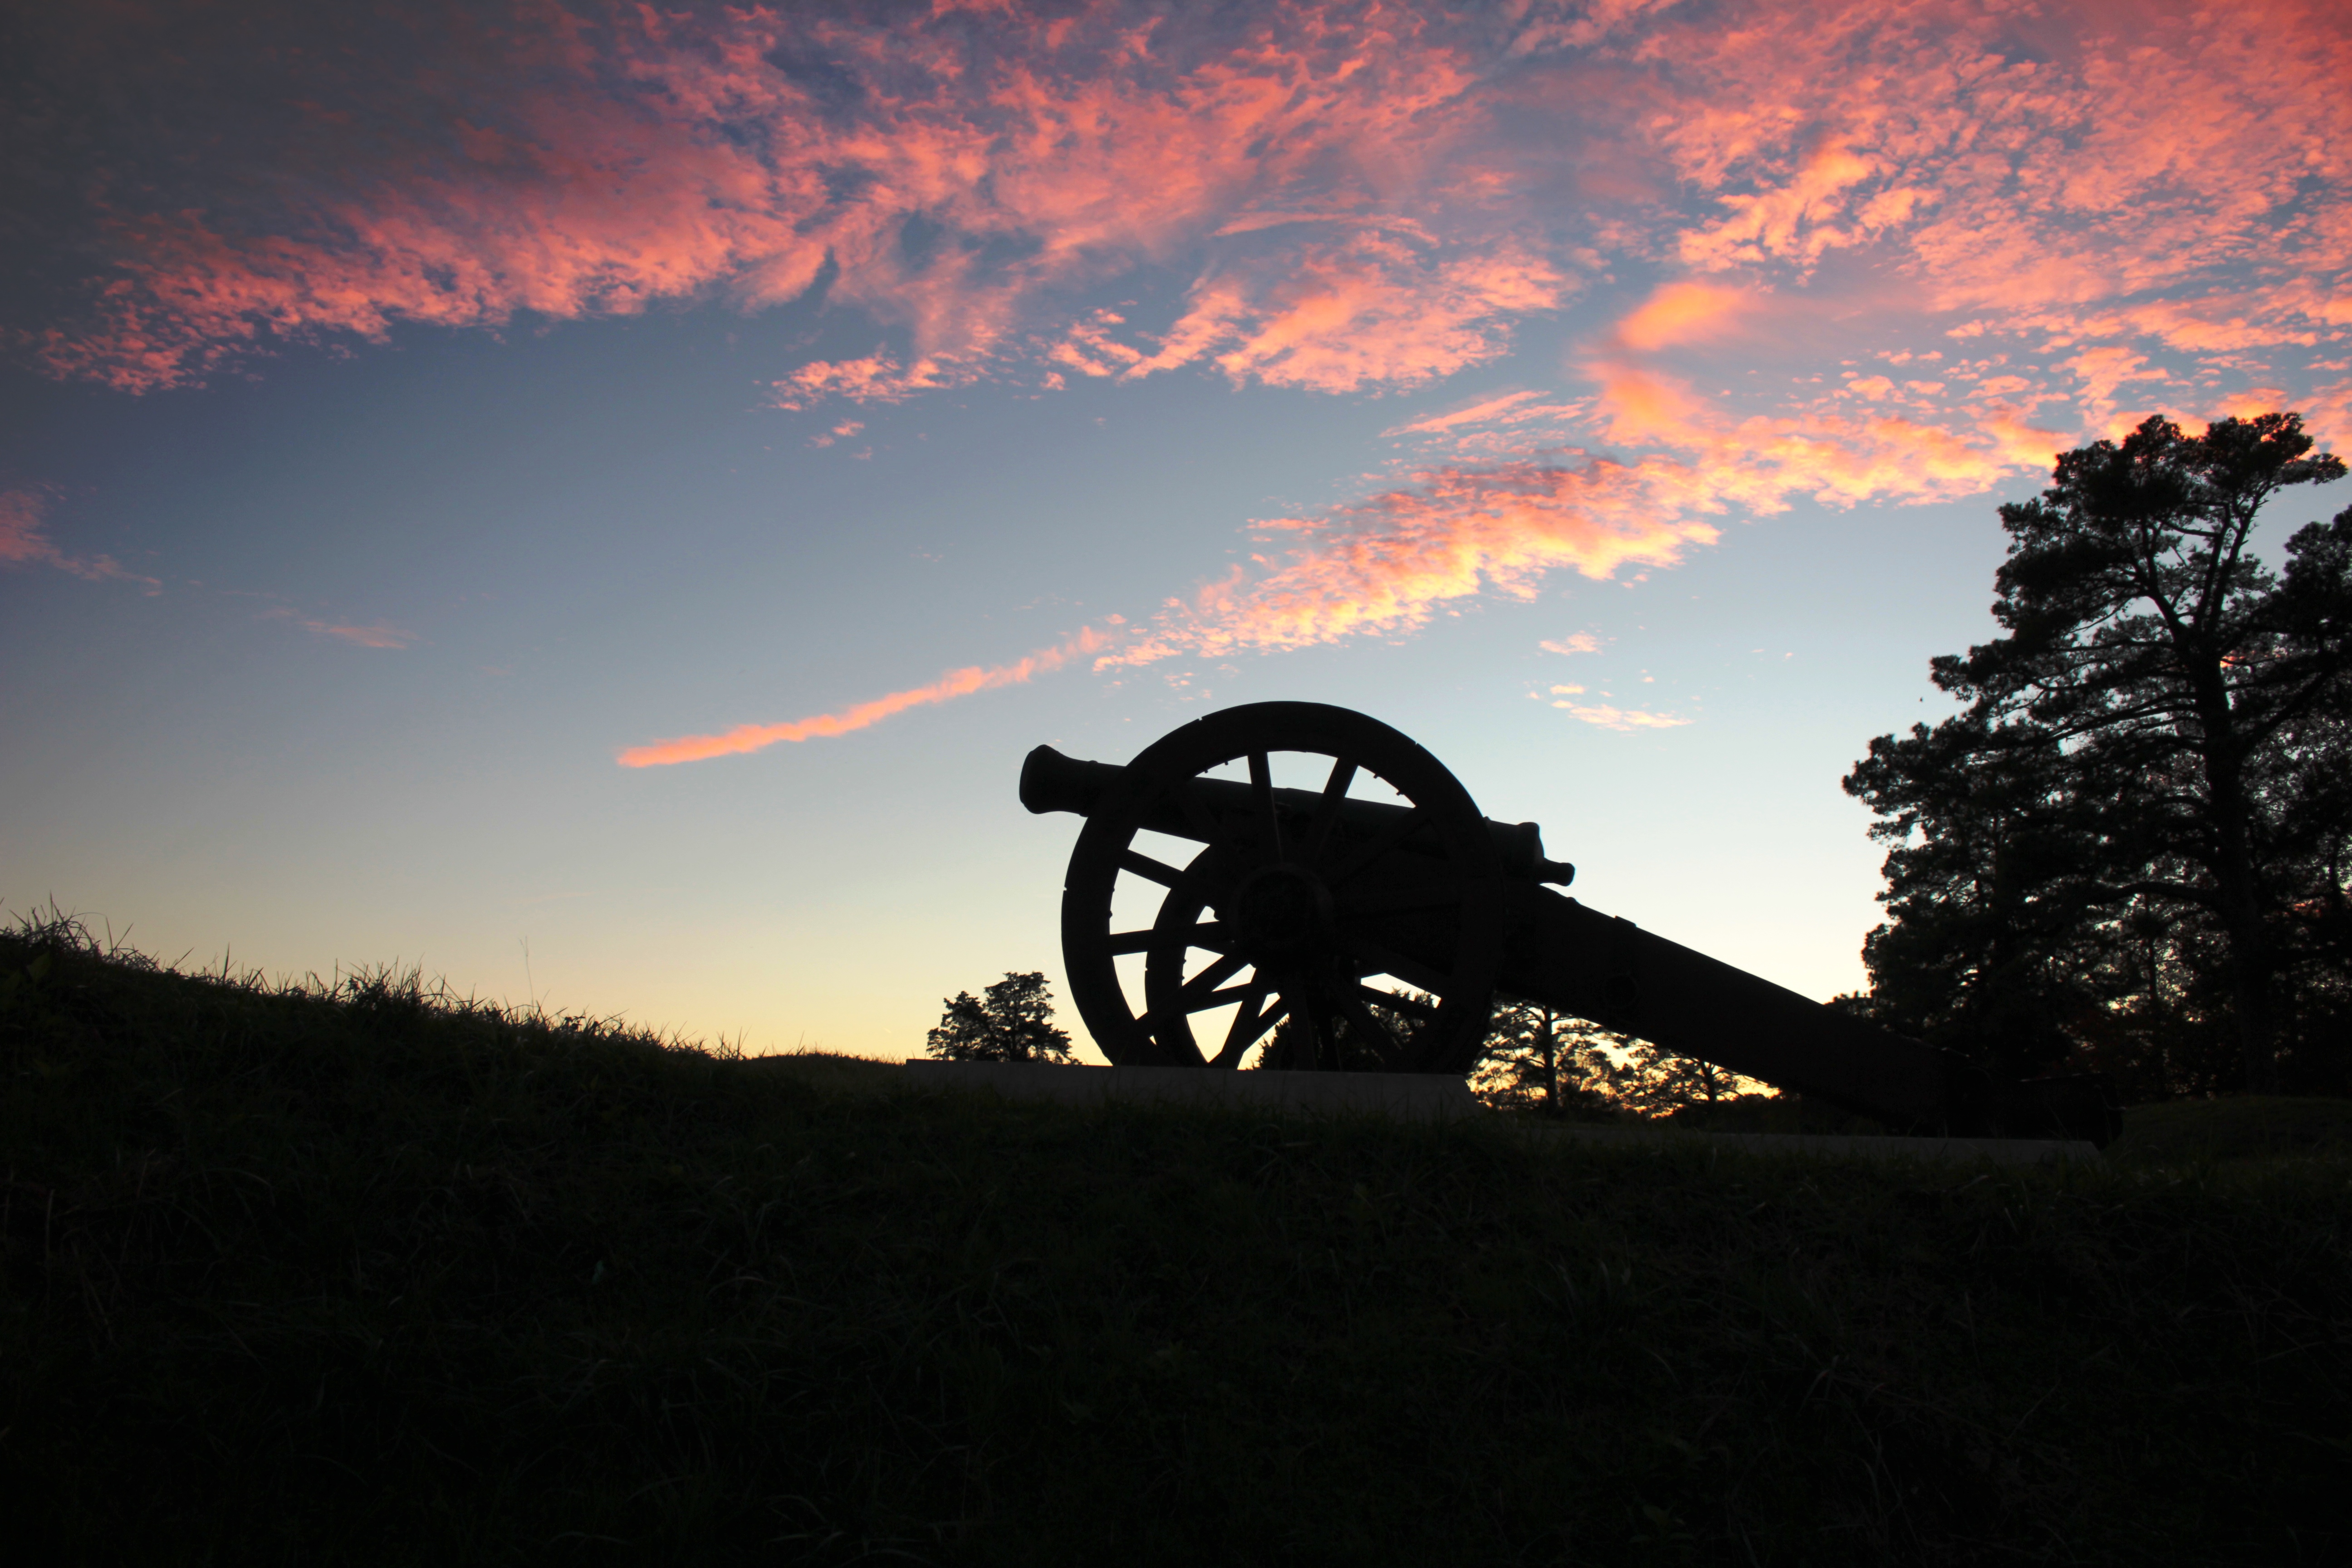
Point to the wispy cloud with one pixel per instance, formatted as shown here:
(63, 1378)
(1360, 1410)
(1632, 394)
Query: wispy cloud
(955, 683)
(1603, 716)
(25, 542)
(374, 633)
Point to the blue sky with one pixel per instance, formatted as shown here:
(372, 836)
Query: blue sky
(366, 499)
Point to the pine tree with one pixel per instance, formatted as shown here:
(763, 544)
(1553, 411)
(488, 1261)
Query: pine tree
(2145, 805)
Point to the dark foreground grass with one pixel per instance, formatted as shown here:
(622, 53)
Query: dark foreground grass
(370, 1276)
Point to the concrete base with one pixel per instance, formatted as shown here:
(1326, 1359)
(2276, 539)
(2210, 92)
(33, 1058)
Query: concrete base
(1411, 1097)
(1421, 1097)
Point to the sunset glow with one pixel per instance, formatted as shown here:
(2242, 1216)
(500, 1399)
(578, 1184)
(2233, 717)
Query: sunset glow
(604, 372)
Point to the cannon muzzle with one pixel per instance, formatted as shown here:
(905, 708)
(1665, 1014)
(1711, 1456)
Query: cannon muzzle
(1052, 782)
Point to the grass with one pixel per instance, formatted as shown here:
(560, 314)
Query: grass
(361, 1273)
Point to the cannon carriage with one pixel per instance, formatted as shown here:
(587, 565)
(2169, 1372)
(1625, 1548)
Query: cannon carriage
(1369, 920)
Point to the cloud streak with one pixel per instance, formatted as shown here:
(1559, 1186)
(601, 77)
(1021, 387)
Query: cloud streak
(378, 633)
(955, 683)
(25, 542)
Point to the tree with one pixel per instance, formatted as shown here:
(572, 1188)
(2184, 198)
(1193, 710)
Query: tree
(2140, 823)
(1539, 1058)
(1010, 1024)
(1342, 1043)
(1655, 1082)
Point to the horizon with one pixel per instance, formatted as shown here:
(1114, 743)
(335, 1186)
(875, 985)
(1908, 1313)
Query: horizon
(601, 510)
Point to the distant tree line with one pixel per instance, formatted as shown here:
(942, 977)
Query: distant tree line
(2130, 851)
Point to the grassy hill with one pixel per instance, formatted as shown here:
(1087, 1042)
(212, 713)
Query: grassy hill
(363, 1274)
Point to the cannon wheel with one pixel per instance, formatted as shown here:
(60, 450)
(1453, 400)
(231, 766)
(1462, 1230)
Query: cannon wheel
(1290, 922)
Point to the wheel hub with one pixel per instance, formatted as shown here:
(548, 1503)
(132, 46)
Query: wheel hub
(1283, 911)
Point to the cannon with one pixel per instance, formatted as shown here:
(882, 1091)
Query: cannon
(1368, 921)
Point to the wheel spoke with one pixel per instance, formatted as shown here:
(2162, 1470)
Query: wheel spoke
(1249, 1026)
(1225, 998)
(1208, 933)
(1269, 825)
(1194, 996)
(1144, 865)
(1326, 809)
(1202, 984)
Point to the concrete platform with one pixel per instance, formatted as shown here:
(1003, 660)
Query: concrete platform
(1421, 1097)
(1411, 1096)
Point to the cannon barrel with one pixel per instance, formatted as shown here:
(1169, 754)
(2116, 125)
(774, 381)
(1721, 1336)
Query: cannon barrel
(1052, 782)
(1597, 966)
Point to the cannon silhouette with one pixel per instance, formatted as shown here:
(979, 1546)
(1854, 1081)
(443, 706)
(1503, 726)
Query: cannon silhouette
(1297, 900)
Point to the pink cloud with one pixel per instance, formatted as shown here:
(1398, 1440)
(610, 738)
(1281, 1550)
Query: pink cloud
(1386, 564)
(25, 542)
(955, 683)
(375, 634)
(942, 174)
(2082, 207)
(22, 539)
(1379, 310)
(1360, 198)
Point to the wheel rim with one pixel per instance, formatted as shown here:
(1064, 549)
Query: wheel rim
(1294, 904)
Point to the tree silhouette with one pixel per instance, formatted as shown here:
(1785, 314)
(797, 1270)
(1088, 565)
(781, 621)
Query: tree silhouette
(1655, 1082)
(1010, 1023)
(1342, 1043)
(1539, 1058)
(2144, 816)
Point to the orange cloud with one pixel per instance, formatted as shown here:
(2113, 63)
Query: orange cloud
(1380, 311)
(1575, 642)
(876, 378)
(955, 683)
(1387, 563)
(1603, 716)
(1479, 413)
(1681, 313)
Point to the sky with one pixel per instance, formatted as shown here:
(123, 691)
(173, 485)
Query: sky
(597, 500)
